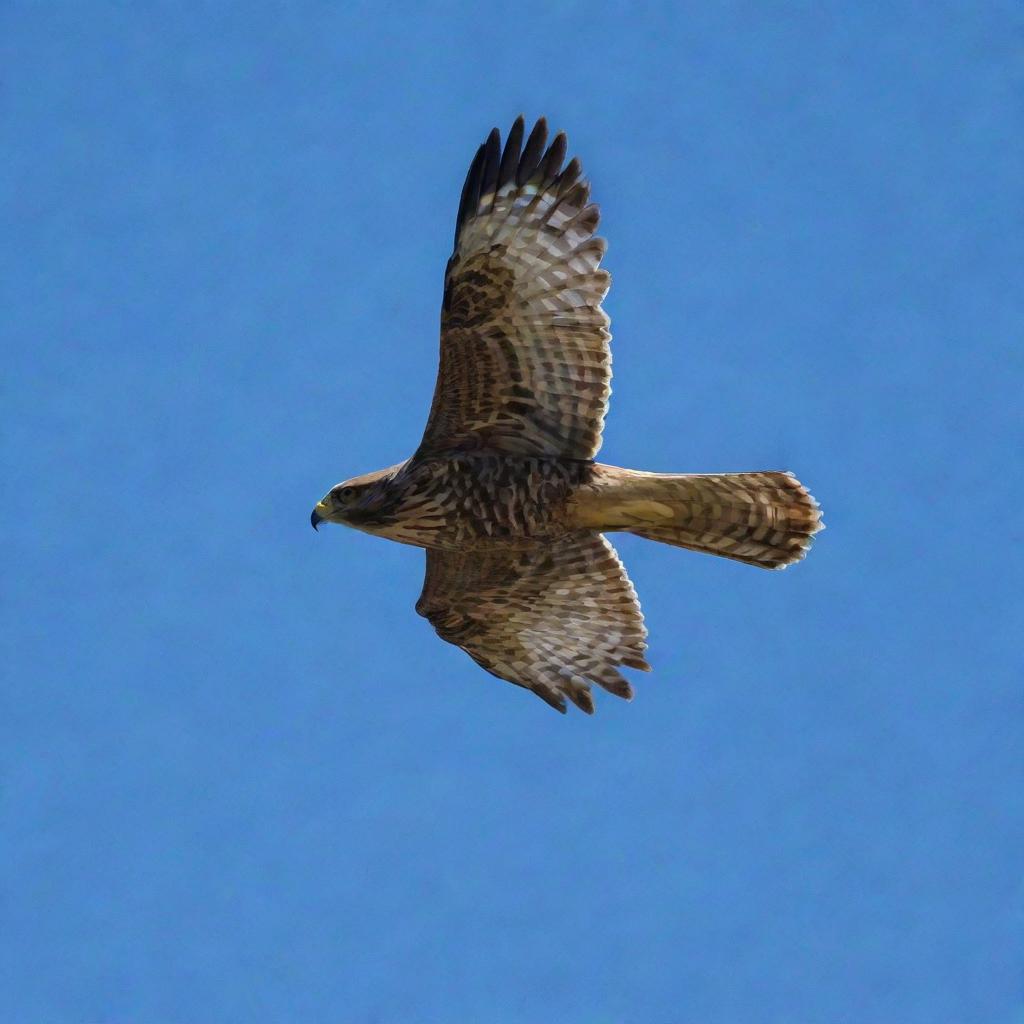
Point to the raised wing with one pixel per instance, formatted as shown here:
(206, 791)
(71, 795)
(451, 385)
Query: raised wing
(551, 618)
(525, 365)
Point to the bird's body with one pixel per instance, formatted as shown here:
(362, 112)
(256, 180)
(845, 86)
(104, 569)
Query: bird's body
(468, 501)
(471, 501)
(503, 491)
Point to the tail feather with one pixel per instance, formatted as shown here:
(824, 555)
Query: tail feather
(764, 519)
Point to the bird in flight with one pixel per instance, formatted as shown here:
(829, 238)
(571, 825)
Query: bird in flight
(503, 491)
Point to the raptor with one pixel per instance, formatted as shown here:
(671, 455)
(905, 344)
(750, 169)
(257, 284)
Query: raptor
(503, 491)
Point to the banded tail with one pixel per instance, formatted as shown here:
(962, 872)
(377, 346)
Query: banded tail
(763, 519)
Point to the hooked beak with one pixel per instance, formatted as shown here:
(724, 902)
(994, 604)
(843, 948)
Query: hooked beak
(316, 519)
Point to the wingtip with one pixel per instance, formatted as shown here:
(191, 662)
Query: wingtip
(640, 664)
(583, 699)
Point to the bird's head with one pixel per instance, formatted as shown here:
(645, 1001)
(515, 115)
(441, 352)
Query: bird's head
(353, 502)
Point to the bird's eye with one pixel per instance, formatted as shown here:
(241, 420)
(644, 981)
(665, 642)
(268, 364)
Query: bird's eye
(346, 492)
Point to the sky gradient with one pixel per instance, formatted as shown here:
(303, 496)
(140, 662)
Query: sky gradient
(243, 781)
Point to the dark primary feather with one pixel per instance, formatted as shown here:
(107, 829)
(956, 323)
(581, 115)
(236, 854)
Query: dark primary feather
(569, 176)
(470, 198)
(510, 157)
(532, 153)
(551, 165)
(492, 160)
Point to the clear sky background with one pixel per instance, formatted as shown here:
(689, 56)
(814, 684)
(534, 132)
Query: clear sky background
(243, 781)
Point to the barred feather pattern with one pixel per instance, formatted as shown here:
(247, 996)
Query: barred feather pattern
(503, 491)
(525, 363)
(553, 617)
(767, 519)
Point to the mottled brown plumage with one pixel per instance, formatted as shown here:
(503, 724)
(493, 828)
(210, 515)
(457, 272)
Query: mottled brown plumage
(551, 616)
(503, 492)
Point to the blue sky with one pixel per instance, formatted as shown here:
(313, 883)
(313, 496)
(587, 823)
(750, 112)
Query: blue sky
(243, 781)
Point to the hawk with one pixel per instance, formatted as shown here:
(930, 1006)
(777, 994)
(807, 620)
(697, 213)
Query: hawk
(503, 491)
